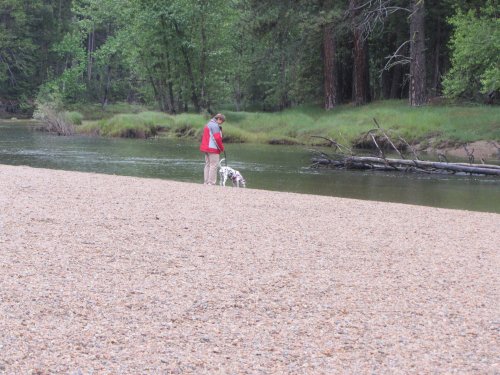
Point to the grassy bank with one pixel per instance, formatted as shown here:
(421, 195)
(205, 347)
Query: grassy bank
(347, 124)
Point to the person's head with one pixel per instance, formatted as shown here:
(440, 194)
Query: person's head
(220, 118)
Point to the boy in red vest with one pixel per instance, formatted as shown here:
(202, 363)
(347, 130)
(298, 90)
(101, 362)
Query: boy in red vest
(212, 146)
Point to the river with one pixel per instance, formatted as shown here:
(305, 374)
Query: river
(280, 168)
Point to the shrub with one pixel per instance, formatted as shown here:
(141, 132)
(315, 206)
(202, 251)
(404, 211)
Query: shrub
(52, 119)
(50, 114)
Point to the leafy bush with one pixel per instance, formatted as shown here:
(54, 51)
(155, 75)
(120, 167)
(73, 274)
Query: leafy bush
(475, 49)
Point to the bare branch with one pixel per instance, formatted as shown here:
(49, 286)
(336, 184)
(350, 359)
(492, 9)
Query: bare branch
(381, 153)
(388, 139)
(494, 144)
(470, 154)
(334, 143)
(442, 157)
(396, 58)
(372, 13)
(410, 147)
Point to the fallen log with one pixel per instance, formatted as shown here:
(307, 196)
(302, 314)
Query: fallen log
(456, 167)
(347, 160)
(388, 164)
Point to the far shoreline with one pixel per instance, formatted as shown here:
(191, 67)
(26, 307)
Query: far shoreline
(487, 150)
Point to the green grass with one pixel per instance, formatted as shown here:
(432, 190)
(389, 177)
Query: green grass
(141, 125)
(94, 112)
(346, 124)
(76, 118)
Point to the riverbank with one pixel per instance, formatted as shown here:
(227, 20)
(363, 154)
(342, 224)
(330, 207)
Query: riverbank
(431, 128)
(117, 274)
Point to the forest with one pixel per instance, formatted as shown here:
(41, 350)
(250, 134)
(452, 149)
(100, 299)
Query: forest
(203, 55)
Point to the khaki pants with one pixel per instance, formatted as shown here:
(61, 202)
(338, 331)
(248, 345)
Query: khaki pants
(210, 172)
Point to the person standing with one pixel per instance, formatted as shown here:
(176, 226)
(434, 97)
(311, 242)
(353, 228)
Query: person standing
(212, 146)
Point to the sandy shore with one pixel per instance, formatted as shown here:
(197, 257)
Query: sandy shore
(118, 275)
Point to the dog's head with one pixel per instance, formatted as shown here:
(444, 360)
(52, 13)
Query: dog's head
(238, 179)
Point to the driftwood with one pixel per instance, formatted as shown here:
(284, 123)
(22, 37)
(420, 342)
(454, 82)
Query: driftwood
(344, 158)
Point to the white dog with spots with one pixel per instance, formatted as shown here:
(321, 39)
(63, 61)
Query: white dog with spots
(235, 176)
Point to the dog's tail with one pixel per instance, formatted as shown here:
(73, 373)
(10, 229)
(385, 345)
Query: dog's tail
(220, 162)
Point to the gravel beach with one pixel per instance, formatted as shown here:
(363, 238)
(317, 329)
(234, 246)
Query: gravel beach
(104, 274)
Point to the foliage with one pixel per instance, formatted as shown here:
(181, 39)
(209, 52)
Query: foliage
(16, 49)
(28, 29)
(70, 83)
(476, 46)
(203, 55)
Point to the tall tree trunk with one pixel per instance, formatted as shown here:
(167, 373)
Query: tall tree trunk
(397, 82)
(437, 69)
(107, 86)
(90, 53)
(386, 84)
(194, 94)
(361, 78)
(155, 90)
(283, 82)
(170, 85)
(59, 19)
(330, 67)
(170, 103)
(237, 92)
(399, 71)
(185, 53)
(237, 82)
(417, 94)
(203, 60)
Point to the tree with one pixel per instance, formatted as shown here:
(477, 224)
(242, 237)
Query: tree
(177, 48)
(330, 68)
(439, 31)
(29, 29)
(361, 78)
(417, 95)
(275, 43)
(253, 54)
(379, 23)
(329, 15)
(17, 50)
(475, 46)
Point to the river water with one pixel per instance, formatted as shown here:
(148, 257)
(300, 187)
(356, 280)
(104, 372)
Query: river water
(280, 168)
